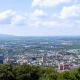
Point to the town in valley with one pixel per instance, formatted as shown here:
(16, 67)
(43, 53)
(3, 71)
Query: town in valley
(63, 53)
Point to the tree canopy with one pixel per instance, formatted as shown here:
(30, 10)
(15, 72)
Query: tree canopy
(30, 72)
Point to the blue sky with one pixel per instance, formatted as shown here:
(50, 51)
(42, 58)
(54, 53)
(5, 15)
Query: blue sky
(40, 17)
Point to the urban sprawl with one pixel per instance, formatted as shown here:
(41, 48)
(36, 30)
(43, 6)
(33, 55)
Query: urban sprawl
(63, 53)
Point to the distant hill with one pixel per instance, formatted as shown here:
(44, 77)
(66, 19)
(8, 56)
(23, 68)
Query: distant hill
(12, 37)
(6, 37)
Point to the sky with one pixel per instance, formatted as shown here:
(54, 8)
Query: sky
(40, 17)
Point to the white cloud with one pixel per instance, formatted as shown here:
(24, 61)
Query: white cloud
(35, 24)
(6, 16)
(70, 11)
(56, 24)
(38, 14)
(39, 18)
(48, 3)
(50, 24)
(12, 17)
(18, 20)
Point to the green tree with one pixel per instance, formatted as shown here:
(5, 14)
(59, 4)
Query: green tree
(6, 72)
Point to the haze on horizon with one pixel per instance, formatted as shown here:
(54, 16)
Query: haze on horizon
(40, 17)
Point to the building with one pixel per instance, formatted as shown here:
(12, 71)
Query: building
(64, 66)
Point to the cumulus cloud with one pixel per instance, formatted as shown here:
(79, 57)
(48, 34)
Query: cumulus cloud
(70, 11)
(38, 14)
(18, 20)
(48, 3)
(12, 18)
(40, 19)
(6, 16)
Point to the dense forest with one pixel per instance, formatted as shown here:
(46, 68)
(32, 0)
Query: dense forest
(30, 72)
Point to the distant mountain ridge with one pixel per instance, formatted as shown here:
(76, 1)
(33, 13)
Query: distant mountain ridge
(4, 37)
(14, 37)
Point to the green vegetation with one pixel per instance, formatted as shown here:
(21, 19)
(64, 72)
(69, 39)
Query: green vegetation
(29, 72)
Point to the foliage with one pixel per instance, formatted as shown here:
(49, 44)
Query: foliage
(30, 72)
